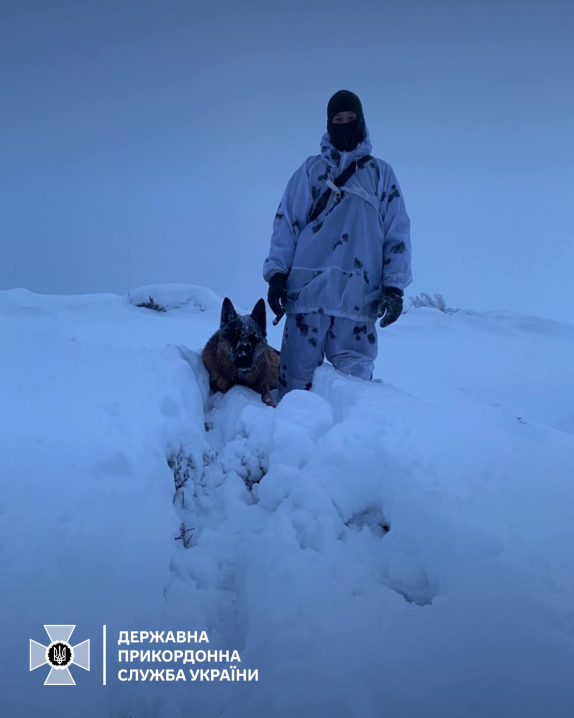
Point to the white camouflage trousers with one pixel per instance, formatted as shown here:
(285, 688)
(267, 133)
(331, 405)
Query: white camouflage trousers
(350, 346)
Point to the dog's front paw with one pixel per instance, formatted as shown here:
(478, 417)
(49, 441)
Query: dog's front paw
(267, 399)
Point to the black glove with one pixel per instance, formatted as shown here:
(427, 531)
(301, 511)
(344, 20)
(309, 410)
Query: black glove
(391, 306)
(277, 294)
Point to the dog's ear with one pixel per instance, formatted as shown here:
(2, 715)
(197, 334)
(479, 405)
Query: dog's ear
(258, 314)
(228, 313)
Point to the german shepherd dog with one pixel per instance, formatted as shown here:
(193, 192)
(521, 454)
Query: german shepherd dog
(238, 353)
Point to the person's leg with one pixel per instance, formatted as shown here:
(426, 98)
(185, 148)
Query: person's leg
(351, 347)
(302, 350)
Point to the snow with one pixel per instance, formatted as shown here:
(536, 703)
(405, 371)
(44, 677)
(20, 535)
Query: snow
(176, 296)
(277, 542)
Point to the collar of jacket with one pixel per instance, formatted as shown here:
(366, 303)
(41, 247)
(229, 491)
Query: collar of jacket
(339, 160)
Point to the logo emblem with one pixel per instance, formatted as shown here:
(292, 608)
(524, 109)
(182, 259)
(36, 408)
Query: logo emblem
(59, 655)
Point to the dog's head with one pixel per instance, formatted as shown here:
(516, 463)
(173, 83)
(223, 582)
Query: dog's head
(244, 335)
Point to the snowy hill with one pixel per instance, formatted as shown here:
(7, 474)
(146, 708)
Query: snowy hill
(131, 498)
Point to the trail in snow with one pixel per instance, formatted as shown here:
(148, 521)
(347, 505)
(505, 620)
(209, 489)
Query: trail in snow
(272, 539)
(299, 573)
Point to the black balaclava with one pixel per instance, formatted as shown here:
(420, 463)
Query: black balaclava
(345, 137)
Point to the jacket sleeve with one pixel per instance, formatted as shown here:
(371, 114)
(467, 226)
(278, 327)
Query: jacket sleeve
(397, 239)
(290, 219)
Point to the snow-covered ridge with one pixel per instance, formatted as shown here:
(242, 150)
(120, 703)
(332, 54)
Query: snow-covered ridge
(132, 498)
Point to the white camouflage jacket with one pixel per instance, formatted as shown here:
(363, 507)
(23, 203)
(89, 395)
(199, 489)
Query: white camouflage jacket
(360, 243)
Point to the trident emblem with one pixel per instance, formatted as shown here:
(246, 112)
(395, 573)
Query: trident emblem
(59, 655)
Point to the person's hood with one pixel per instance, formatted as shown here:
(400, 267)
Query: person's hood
(339, 160)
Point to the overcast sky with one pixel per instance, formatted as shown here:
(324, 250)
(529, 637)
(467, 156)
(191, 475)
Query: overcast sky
(150, 141)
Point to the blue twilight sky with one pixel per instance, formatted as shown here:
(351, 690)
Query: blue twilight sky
(146, 141)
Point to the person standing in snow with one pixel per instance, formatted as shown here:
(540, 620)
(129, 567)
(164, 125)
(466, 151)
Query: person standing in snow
(334, 274)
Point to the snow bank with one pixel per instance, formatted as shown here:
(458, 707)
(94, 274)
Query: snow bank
(303, 575)
(86, 509)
